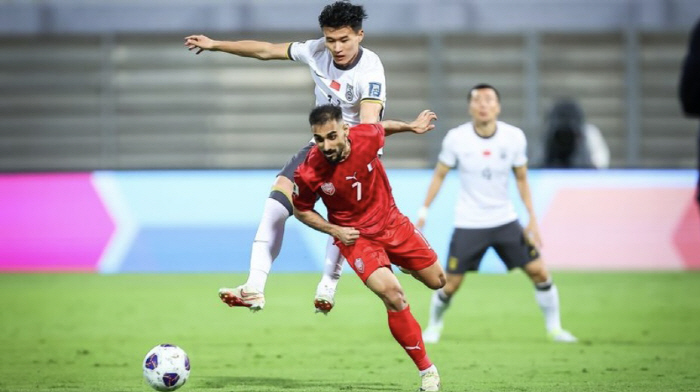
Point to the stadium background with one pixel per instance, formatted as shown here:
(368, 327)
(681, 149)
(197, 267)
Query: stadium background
(108, 126)
(122, 152)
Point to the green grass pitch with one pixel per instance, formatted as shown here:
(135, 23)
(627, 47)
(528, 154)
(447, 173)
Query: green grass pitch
(87, 332)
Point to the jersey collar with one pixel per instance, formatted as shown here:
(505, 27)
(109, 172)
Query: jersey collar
(485, 137)
(352, 64)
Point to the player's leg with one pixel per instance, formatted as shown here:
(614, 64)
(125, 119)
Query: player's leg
(268, 238)
(332, 269)
(516, 252)
(467, 248)
(439, 303)
(371, 263)
(403, 326)
(547, 296)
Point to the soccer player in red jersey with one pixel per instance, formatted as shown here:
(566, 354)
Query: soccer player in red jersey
(344, 171)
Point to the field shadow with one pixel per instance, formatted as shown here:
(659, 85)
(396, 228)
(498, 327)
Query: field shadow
(287, 384)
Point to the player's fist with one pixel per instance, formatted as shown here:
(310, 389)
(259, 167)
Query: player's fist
(347, 235)
(199, 42)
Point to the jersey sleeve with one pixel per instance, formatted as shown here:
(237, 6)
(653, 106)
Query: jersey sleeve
(520, 157)
(303, 197)
(448, 155)
(373, 84)
(303, 51)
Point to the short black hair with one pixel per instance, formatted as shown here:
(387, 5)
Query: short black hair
(479, 87)
(341, 14)
(324, 114)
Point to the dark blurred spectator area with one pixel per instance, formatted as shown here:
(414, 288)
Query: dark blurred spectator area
(128, 95)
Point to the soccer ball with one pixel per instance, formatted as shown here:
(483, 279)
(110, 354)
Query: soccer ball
(166, 367)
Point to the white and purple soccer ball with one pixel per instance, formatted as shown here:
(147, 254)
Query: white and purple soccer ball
(166, 367)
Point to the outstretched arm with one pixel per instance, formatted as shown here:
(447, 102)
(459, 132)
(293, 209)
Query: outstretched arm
(532, 230)
(439, 174)
(346, 235)
(256, 49)
(422, 124)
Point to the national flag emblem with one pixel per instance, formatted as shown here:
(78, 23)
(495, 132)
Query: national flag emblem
(487, 153)
(328, 188)
(335, 85)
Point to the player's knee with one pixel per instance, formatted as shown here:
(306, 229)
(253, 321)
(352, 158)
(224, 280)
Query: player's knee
(436, 281)
(536, 271)
(452, 285)
(283, 184)
(393, 297)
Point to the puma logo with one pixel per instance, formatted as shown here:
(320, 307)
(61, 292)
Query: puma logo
(416, 347)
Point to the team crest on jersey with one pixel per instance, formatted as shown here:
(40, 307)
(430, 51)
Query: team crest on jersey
(375, 89)
(504, 154)
(328, 188)
(349, 92)
(359, 265)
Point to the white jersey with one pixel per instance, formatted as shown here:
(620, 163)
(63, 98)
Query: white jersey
(485, 166)
(362, 80)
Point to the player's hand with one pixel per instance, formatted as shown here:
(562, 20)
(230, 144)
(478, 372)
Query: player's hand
(347, 235)
(199, 42)
(423, 123)
(532, 235)
(420, 223)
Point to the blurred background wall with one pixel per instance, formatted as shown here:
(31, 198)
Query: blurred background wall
(93, 94)
(90, 84)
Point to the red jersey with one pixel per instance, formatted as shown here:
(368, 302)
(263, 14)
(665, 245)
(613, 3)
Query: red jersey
(356, 191)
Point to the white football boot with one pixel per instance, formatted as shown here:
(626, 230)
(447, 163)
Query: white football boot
(325, 298)
(562, 336)
(430, 381)
(243, 296)
(432, 334)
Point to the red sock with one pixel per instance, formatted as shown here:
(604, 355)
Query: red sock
(407, 332)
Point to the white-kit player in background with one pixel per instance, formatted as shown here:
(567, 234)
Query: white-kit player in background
(485, 152)
(346, 75)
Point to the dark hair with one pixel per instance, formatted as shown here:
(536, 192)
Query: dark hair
(479, 87)
(325, 113)
(341, 14)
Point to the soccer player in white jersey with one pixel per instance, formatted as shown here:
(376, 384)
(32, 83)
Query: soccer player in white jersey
(346, 75)
(485, 151)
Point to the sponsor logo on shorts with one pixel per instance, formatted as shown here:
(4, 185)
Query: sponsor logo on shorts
(452, 263)
(359, 265)
(328, 188)
(375, 89)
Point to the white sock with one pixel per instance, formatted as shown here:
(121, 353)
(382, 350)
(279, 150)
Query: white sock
(267, 244)
(548, 300)
(438, 306)
(333, 265)
(432, 368)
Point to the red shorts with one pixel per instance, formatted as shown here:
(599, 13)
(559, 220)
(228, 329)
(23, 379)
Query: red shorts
(400, 243)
